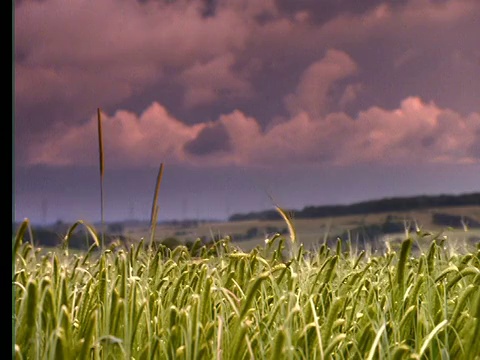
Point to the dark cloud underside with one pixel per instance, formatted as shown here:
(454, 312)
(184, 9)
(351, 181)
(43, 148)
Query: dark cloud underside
(324, 10)
(210, 140)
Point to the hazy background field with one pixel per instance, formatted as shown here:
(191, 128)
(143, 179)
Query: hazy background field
(310, 231)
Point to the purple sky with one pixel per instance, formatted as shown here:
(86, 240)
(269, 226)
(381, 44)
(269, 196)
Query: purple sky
(313, 102)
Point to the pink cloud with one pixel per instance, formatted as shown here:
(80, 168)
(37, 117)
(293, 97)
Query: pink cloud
(311, 94)
(245, 138)
(206, 81)
(130, 32)
(350, 94)
(415, 25)
(415, 131)
(129, 140)
(106, 53)
(82, 89)
(421, 11)
(112, 49)
(30, 81)
(416, 18)
(127, 46)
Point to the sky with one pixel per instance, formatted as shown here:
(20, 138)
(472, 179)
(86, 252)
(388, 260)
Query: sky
(243, 101)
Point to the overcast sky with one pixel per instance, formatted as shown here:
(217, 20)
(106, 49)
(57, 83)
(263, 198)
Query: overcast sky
(310, 102)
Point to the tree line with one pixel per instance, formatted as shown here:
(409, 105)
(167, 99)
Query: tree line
(394, 204)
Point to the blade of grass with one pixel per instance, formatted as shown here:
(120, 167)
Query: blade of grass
(430, 336)
(380, 331)
(288, 220)
(19, 237)
(102, 171)
(154, 215)
(72, 228)
(286, 217)
(317, 328)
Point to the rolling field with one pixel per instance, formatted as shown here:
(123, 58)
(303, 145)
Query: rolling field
(277, 300)
(310, 232)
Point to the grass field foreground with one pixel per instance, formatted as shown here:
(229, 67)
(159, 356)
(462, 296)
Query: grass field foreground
(277, 301)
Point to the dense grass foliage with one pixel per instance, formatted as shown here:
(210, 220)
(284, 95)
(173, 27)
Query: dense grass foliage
(278, 301)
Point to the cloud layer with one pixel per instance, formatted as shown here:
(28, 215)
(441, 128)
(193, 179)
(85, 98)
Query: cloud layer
(254, 83)
(415, 132)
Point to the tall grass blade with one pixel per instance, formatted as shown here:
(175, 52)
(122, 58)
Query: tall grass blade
(430, 336)
(219, 350)
(288, 220)
(154, 214)
(404, 253)
(251, 293)
(278, 344)
(335, 341)
(380, 331)
(72, 228)
(20, 235)
(318, 332)
(102, 172)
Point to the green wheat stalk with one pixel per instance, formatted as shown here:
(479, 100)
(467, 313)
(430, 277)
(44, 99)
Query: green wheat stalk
(102, 172)
(154, 213)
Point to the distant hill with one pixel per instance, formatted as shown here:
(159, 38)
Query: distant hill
(394, 204)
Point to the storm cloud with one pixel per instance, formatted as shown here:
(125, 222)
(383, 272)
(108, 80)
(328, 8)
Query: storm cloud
(209, 141)
(248, 84)
(415, 130)
(245, 55)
